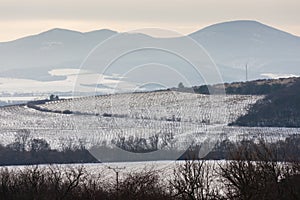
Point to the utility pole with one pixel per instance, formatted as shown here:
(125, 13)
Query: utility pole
(246, 71)
(117, 171)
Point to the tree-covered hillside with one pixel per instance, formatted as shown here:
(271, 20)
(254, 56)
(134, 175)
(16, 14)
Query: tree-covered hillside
(278, 109)
(256, 87)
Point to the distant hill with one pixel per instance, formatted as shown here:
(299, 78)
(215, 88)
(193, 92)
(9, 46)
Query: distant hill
(278, 109)
(268, 53)
(256, 87)
(267, 50)
(34, 56)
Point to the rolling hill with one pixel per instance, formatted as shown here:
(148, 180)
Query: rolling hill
(268, 52)
(278, 109)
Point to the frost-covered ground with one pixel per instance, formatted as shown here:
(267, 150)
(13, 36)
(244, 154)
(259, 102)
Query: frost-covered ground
(165, 169)
(98, 120)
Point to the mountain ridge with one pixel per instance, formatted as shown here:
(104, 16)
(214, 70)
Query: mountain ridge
(243, 22)
(190, 34)
(266, 51)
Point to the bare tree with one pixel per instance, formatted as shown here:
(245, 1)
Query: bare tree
(252, 173)
(21, 140)
(193, 180)
(142, 185)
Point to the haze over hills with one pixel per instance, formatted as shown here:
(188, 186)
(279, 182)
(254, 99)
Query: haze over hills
(56, 48)
(268, 52)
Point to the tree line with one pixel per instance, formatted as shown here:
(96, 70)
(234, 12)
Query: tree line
(247, 176)
(27, 151)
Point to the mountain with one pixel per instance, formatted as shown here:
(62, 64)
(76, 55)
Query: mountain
(266, 51)
(57, 48)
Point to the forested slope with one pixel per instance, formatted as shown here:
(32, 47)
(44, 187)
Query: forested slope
(278, 109)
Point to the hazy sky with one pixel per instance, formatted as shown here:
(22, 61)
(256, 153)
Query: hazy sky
(21, 18)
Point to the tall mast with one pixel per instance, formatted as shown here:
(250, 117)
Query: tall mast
(246, 71)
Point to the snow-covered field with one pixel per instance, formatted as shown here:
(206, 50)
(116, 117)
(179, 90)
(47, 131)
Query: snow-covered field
(165, 169)
(125, 167)
(98, 120)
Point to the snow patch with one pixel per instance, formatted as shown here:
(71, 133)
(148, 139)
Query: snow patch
(78, 79)
(277, 76)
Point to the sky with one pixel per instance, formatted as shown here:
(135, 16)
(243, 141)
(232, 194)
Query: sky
(22, 18)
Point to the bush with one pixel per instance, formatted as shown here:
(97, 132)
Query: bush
(256, 174)
(251, 175)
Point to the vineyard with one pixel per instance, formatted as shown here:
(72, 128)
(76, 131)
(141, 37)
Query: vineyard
(177, 119)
